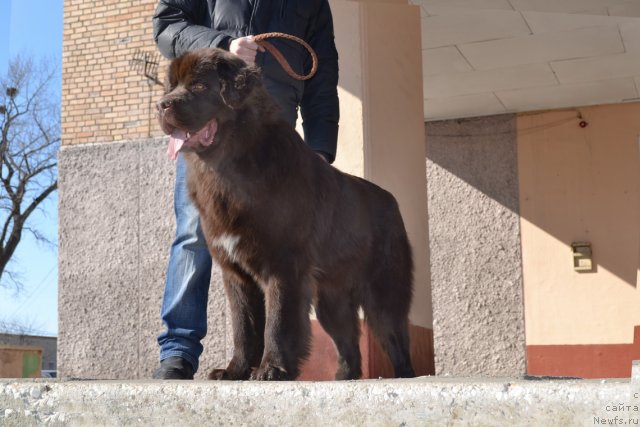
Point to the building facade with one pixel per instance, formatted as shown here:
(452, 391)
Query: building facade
(514, 178)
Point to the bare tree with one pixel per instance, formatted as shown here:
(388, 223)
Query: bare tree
(21, 328)
(29, 141)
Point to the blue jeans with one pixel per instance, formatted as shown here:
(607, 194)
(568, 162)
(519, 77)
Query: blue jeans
(184, 307)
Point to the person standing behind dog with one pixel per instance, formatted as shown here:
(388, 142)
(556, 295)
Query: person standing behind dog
(183, 25)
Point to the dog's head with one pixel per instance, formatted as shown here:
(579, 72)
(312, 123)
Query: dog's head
(203, 88)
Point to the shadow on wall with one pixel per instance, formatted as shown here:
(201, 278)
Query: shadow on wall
(481, 152)
(579, 181)
(476, 274)
(575, 182)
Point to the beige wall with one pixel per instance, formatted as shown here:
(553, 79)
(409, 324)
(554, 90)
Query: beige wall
(350, 154)
(580, 184)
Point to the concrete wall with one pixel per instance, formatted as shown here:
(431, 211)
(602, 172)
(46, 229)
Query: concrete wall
(115, 204)
(116, 225)
(476, 272)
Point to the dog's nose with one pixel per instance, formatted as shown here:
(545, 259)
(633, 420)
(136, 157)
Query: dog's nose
(163, 105)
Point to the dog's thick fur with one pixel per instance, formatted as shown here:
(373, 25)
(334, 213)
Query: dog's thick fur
(287, 229)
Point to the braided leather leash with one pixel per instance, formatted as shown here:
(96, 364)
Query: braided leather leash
(260, 39)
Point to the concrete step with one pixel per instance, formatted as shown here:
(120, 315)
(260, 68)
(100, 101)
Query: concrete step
(425, 401)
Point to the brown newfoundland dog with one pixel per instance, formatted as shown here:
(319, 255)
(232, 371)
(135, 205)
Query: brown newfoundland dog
(288, 230)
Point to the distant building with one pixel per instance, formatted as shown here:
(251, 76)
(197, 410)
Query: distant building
(49, 347)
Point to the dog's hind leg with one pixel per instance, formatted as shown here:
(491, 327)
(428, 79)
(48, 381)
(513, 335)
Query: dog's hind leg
(246, 302)
(386, 313)
(338, 315)
(393, 336)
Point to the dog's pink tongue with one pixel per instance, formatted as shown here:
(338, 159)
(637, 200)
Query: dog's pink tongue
(176, 141)
(180, 139)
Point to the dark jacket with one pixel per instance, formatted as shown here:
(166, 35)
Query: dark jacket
(183, 25)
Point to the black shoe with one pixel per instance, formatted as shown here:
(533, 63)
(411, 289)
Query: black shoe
(174, 368)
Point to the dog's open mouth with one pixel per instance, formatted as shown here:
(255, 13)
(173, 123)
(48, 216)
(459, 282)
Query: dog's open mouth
(181, 139)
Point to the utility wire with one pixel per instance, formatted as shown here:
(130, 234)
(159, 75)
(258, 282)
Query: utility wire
(37, 288)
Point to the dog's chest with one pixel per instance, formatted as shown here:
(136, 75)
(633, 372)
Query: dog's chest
(228, 244)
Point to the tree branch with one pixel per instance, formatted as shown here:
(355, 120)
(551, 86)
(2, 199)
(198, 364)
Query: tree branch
(29, 137)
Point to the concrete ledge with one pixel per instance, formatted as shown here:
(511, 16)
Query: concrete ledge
(416, 402)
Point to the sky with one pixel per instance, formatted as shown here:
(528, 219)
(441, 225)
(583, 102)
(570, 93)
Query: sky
(33, 28)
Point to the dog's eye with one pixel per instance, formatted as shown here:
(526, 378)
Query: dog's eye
(198, 87)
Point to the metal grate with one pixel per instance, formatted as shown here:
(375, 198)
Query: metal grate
(146, 63)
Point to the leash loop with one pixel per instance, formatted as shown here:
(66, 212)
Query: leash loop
(260, 39)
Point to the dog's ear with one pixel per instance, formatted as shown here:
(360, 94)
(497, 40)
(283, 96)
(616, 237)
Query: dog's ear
(237, 81)
(170, 78)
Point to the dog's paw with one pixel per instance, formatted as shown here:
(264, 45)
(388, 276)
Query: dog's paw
(218, 375)
(270, 373)
(347, 373)
(228, 375)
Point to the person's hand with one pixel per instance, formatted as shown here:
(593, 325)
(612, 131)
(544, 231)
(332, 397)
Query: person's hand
(246, 48)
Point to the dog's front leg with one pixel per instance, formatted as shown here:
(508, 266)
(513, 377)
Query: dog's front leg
(246, 302)
(287, 329)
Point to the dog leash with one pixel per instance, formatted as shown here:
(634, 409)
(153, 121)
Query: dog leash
(260, 39)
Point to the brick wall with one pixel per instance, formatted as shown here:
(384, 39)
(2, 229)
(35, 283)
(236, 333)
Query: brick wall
(104, 98)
